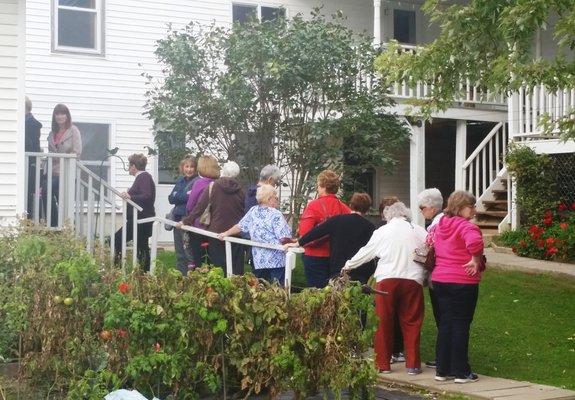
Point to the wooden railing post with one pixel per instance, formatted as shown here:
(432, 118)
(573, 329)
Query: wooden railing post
(229, 259)
(156, 226)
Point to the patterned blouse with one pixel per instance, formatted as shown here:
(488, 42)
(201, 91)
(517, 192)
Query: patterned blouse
(267, 225)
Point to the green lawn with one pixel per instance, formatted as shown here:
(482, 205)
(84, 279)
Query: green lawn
(524, 326)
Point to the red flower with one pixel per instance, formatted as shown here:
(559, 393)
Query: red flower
(157, 347)
(123, 287)
(573, 206)
(561, 207)
(122, 333)
(541, 244)
(533, 230)
(548, 214)
(550, 241)
(551, 250)
(547, 221)
(563, 225)
(522, 243)
(205, 245)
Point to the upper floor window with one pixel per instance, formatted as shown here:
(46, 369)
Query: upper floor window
(78, 26)
(404, 26)
(243, 12)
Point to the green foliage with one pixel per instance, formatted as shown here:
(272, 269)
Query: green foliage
(290, 93)
(535, 178)
(490, 43)
(86, 330)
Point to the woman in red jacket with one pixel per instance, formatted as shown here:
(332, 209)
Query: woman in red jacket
(316, 256)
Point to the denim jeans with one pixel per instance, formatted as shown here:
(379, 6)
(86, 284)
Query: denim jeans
(316, 271)
(183, 254)
(456, 303)
(271, 274)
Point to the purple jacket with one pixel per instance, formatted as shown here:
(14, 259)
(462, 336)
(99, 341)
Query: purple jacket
(197, 189)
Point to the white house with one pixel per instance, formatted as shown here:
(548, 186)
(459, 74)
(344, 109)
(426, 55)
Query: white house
(90, 55)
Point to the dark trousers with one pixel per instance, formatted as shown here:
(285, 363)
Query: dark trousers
(198, 252)
(456, 303)
(316, 271)
(405, 299)
(271, 274)
(217, 252)
(183, 255)
(31, 194)
(55, 198)
(143, 248)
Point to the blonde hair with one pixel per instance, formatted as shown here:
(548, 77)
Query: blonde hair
(208, 167)
(329, 180)
(188, 160)
(264, 193)
(457, 201)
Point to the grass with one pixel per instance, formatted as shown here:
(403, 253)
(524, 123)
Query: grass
(524, 326)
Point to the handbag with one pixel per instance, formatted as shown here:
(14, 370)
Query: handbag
(425, 254)
(206, 216)
(171, 217)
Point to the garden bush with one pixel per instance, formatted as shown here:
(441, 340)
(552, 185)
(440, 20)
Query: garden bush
(550, 238)
(82, 329)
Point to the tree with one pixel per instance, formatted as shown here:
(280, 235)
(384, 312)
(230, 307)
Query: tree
(490, 43)
(293, 93)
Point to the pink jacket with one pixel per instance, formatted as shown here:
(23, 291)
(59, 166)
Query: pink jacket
(455, 240)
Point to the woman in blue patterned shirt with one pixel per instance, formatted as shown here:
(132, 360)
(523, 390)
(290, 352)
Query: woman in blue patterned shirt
(266, 224)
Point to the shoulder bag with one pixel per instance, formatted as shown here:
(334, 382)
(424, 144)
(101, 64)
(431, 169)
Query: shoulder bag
(206, 217)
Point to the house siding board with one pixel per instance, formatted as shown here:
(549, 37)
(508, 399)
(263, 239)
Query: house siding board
(10, 42)
(396, 182)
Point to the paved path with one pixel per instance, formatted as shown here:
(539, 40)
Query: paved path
(485, 388)
(529, 265)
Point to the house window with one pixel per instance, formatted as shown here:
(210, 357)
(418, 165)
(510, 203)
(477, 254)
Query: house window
(404, 26)
(244, 12)
(95, 145)
(78, 25)
(171, 150)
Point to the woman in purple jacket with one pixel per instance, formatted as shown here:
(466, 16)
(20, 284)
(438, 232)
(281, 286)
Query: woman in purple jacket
(208, 171)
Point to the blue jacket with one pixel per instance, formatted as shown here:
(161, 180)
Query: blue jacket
(179, 196)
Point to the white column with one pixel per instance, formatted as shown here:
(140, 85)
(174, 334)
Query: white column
(376, 22)
(460, 153)
(416, 169)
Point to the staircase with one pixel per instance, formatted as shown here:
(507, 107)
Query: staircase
(485, 176)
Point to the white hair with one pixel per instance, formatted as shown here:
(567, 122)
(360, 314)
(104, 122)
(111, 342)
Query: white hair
(270, 171)
(264, 193)
(396, 210)
(430, 198)
(230, 170)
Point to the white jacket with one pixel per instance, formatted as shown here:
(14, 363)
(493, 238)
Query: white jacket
(394, 244)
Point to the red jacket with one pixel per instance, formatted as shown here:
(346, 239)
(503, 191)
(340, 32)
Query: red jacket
(316, 212)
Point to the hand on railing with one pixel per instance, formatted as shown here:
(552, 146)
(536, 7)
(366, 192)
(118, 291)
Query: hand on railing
(289, 245)
(125, 195)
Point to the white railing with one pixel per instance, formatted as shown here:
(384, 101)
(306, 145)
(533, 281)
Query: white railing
(530, 104)
(468, 92)
(159, 223)
(84, 200)
(486, 162)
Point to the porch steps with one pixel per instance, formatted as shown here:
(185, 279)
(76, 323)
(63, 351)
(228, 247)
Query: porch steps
(495, 210)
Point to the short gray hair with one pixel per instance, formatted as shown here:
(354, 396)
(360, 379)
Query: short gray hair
(396, 210)
(264, 193)
(270, 171)
(230, 170)
(430, 198)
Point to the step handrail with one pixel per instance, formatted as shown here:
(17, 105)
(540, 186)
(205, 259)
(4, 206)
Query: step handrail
(482, 145)
(107, 186)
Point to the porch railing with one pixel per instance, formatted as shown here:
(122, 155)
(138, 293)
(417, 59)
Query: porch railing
(159, 223)
(85, 201)
(486, 162)
(529, 105)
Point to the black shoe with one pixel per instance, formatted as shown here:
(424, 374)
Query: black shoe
(431, 364)
(466, 379)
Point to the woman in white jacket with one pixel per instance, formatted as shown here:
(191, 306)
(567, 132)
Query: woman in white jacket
(402, 278)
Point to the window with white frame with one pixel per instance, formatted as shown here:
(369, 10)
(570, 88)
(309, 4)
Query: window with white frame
(95, 145)
(78, 26)
(404, 26)
(243, 12)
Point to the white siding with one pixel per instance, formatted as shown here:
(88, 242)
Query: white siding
(11, 47)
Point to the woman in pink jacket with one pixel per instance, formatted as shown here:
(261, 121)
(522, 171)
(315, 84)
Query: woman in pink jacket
(459, 261)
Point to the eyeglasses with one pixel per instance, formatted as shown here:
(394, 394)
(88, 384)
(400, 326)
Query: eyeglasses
(422, 208)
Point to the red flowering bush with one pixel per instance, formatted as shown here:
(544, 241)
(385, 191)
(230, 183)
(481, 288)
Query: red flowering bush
(553, 238)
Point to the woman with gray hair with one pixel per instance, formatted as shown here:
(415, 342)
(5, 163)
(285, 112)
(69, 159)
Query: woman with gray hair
(266, 224)
(400, 276)
(269, 175)
(430, 202)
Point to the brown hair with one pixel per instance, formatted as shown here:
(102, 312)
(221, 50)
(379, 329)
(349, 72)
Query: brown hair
(457, 201)
(208, 167)
(139, 161)
(360, 202)
(188, 160)
(61, 109)
(387, 201)
(329, 180)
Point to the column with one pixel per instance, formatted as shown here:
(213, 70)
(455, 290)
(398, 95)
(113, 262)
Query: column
(416, 168)
(460, 153)
(376, 22)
